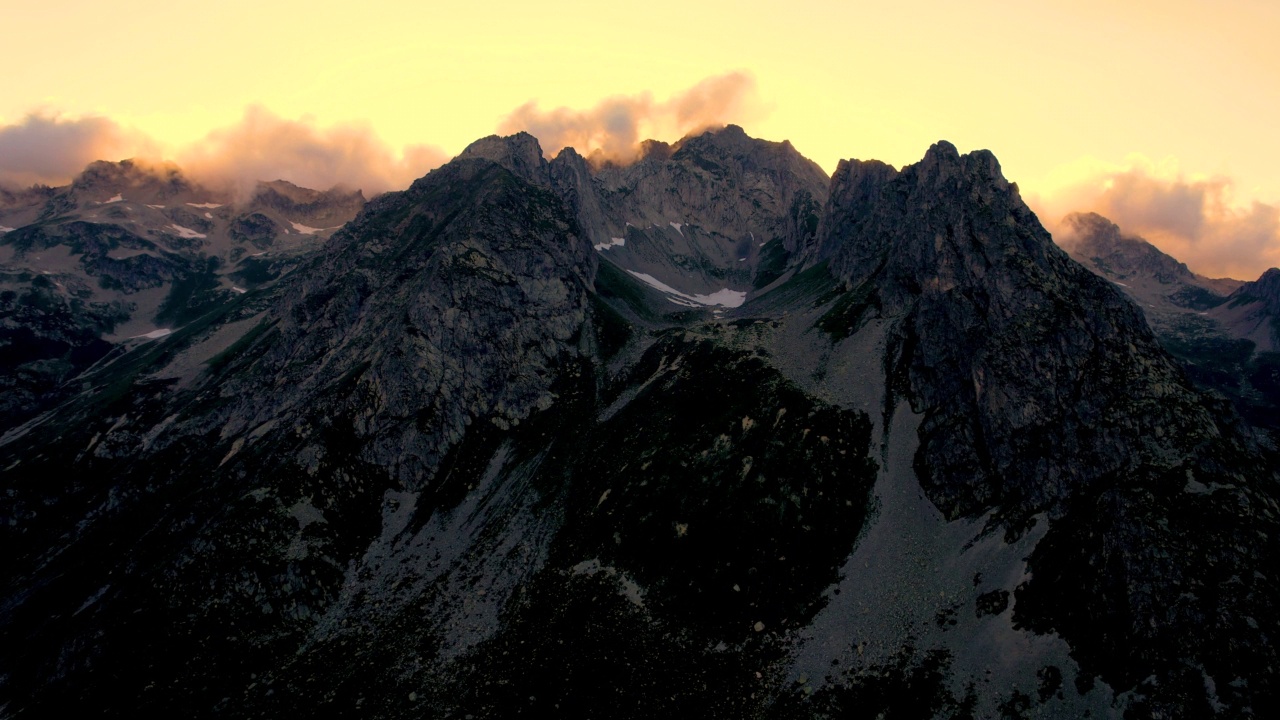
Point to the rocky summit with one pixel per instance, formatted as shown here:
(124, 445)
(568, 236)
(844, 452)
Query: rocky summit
(708, 435)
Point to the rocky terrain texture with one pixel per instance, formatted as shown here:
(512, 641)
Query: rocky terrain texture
(470, 460)
(1224, 331)
(130, 250)
(718, 211)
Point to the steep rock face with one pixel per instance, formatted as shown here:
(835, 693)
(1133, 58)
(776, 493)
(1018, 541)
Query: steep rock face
(322, 210)
(1043, 391)
(468, 263)
(1253, 311)
(520, 154)
(462, 463)
(456, 304)
(717, 211)
(999, 326)
(1221, 330)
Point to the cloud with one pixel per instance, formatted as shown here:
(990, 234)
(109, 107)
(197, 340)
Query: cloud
(616, 125)
(1195, 219)
(51, 149)
(264, 146)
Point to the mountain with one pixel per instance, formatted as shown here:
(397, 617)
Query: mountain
(715, 216)
(474, 458)
(1253, 311)
(1224, 331)
(128, 252)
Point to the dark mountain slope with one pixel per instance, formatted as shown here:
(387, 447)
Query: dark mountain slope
(1223, 331)
(1045, 396)
(457, 464)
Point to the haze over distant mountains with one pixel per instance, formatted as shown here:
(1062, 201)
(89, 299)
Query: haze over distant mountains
(709, 434)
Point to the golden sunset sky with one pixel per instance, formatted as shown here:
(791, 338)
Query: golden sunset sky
(1163, 115)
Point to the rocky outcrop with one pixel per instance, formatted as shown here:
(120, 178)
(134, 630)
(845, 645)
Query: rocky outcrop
(948, 247)
(319, 209)
(1045, 394)
(699, 215)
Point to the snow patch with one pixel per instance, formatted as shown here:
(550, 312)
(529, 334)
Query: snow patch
(93, 599)
(209, 215)
(1119, 283)
(626, 586)
(613, 242)
(116, 199)
(725, 297)
(677, 226)
(238, 290)
(206, 206)
(4, 229)
(306, 230)
(187, 233)
(154, 334)
(157, 207)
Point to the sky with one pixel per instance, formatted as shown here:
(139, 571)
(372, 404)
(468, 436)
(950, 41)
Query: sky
(1161, 115)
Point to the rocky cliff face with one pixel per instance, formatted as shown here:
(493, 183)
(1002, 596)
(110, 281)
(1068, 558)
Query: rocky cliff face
(1045, 396)
(466, 462)
(1223, 331)
(1254, 311)
(716, 212)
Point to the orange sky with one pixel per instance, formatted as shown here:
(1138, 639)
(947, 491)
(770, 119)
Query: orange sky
(1069, 95)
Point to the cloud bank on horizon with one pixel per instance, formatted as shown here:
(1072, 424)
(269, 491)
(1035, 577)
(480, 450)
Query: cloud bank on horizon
(1195, 219)
(52, 149)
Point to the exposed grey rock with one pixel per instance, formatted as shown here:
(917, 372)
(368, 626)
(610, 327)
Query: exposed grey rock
(699, 216)
(1220, 329)
(461, 462)
(156, 247)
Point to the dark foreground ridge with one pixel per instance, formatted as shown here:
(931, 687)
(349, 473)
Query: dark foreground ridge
(703, 436)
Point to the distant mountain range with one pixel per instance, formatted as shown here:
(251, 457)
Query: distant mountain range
(128, 252)
(707, 435)
(1227, 332)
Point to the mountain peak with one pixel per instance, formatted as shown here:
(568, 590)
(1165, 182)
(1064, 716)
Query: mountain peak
(112, 177)
(944, 162)
(1266, 288)
(1099, 242)
(520, 153)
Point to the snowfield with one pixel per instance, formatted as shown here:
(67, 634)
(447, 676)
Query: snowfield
(187, 233)
(725, 297)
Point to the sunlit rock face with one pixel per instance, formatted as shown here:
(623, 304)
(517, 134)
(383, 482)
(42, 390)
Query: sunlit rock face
(708, 435)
